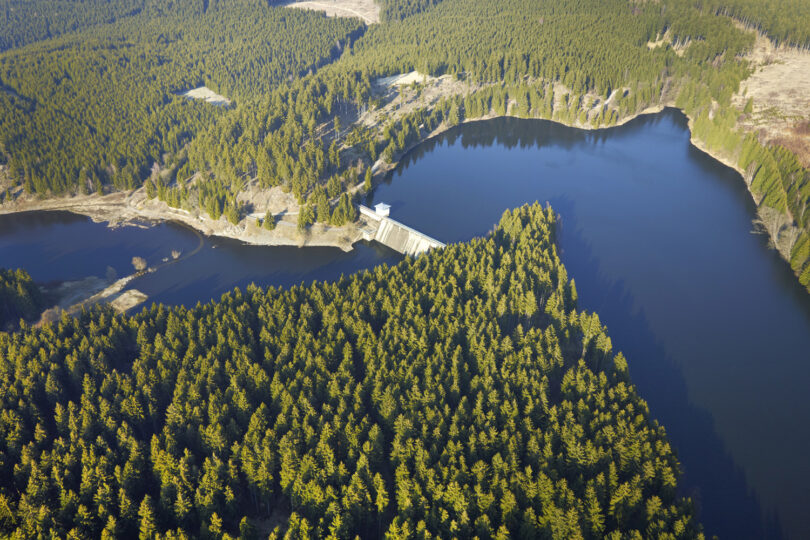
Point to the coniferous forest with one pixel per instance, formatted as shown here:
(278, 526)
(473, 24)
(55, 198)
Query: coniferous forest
(458, 394)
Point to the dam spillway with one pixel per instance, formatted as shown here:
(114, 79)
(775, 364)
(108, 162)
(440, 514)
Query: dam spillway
(394, 234)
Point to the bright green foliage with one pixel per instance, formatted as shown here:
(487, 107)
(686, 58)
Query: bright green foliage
(75, 118)
(306, 217)
(344, 212)
(460, 393)
(20, 297)
(367, 180)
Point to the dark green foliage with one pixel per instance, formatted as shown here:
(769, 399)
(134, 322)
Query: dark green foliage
(784, 21)
(456, 394)
(98, 110)
(106, 102)
(27, 21)
(20, 298)
(269, 222)
(394, 10)
(488, 41)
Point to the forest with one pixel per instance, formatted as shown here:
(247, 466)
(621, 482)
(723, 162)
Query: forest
(101, 108)
(784, 21)
(460, 393)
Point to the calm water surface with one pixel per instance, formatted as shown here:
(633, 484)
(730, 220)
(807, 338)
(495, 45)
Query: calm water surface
(657, 236)
(56, 246)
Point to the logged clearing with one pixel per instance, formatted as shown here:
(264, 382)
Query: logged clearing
(780, 89)
(404, 93)
(208, 95)
(404, 79)
(367, 10)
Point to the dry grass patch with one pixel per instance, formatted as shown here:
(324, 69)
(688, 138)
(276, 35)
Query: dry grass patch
(667, 41)
(780, 89)
(404, 93)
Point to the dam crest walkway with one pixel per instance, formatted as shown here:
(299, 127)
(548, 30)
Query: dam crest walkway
(394, 234)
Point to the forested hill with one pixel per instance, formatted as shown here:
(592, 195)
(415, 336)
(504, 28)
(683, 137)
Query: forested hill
(100, 108)
(784, 21)
(27, 21)
(461, 393)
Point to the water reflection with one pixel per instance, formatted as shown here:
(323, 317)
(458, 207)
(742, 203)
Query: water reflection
(59, 246)
(718, 486)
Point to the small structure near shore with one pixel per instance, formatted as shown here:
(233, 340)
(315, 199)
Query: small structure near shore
(394, 234)
(382, 209)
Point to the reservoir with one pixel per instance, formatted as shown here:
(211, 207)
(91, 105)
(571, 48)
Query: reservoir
(658, 237)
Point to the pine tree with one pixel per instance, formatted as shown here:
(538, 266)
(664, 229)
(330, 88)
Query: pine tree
(147, 525)
(269, 221)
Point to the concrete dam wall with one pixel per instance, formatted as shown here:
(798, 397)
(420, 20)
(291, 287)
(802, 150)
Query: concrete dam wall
(395, 235)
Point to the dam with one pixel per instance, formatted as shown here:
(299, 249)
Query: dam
(399, 237)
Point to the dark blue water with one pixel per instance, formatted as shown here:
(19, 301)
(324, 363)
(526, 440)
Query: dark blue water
(58, 246)
(656, 235)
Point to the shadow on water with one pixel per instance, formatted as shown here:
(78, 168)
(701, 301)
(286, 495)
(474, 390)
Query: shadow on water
(726, 504)
(513, 133)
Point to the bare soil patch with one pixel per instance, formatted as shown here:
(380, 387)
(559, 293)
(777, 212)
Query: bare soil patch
(73, 296)
(206, 94)
(367, 10)
(406, 92)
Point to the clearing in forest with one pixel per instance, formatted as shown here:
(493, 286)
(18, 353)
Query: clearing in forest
(367, 10)
(205, 93)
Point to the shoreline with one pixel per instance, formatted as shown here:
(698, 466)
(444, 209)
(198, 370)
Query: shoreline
(133, 208)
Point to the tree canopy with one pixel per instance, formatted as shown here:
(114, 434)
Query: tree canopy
(460, 393)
